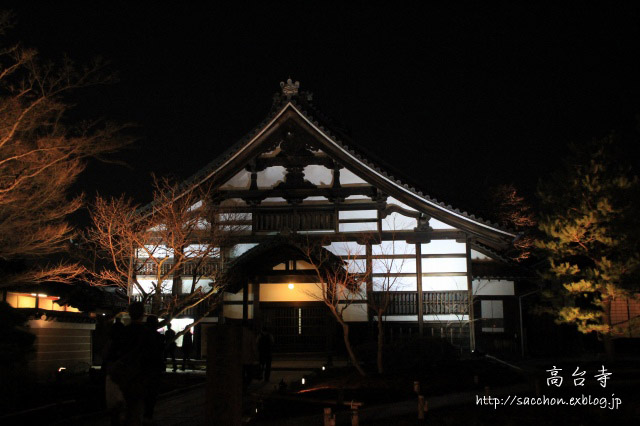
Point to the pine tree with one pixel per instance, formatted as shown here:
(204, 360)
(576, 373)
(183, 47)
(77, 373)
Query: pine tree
(589, 221)
(513, 212)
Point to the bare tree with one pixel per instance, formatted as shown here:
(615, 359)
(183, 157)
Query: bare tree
(42, 155)
(182, 234)
(387, 265)
(341, 280)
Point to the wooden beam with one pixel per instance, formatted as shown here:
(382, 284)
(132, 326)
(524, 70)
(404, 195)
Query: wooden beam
(472, 333)
(288, 278)
(375, 237)
(342, 192)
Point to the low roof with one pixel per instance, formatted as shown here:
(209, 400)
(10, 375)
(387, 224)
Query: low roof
(261, 259)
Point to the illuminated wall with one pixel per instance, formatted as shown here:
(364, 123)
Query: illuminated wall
(33, 300)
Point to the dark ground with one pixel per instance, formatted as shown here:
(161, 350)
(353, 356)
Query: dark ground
(449, 387)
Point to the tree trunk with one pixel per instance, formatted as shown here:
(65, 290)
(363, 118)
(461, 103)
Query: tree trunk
(609, 351)
(607, 339)
(156, 301)
(380, 343)
(347, 344)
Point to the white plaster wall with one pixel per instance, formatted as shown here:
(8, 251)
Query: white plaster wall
(395, 284)
(358, 214)
(357, 198)
(444, 247)
(280, 292)
(240, 249)
(233, 296)
(358, 227)
(235, 311)
(241, 180)
(318, 175)
(398, 318)
(447, 318)
(303, 265)
(274, 200)
(158, 252)
(203, 283)
(393, 247)
(393, 266)
(476, 255)
(343, 248)
(444, 283)
(271, 176)
(399, 203)
(357, 266)
(398, 222)
(348, 178)
(196, 206)
(148, 286)
(493, 288)
(198, 250)
(446, 264)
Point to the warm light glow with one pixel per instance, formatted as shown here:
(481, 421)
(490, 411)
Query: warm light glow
(290, 286)
(42, 295)
(61, 368)
(34, 295)
(323, 368)
(303, 380)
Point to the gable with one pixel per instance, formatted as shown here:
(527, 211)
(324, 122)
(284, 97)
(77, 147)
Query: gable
(292, 159)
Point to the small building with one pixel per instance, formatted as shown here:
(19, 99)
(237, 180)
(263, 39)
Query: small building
(293, 179)
(63, 319)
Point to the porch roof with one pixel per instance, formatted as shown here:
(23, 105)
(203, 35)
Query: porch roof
(261, 259)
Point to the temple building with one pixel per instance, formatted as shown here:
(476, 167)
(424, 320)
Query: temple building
(294, 179)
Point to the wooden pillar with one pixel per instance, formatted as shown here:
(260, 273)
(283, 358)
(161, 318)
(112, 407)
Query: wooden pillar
(472, 327)
(257, 318)
(369, 273)
(419, 288)
(245, 303)
(224, 375)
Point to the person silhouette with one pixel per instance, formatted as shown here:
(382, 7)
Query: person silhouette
(157, 367)
(129, 370)
(265, 349)
(170, 345)
(187, 346)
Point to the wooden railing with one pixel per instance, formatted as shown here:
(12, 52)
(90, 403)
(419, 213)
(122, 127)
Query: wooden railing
(167, 299)
(294, 220)
(433, 302)
(188, 268)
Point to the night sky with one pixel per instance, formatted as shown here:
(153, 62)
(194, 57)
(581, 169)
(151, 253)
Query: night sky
(457, 100)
